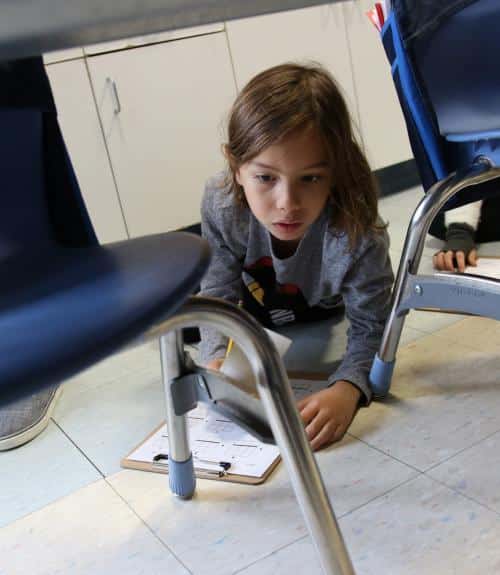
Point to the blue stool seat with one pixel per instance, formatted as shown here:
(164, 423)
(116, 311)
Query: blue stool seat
(65, 301)
(63, 309)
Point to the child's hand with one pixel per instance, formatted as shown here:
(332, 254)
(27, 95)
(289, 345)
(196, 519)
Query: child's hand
(215, 364)
(450, 260)
(328, 413)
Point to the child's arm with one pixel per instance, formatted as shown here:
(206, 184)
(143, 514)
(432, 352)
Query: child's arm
(223, 278)
(366, 291)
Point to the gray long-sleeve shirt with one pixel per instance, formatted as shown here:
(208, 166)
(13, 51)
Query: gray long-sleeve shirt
(321, 271)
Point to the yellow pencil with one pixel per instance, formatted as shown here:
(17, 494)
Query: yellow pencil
(230, 342)
(229, 346)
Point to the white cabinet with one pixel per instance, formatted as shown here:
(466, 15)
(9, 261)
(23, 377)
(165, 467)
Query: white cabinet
(317, 34)
(167, 36)
(162, 109)
(380, 115)
(61, 55)
(83, 136)
(144, 124)
(341, 38)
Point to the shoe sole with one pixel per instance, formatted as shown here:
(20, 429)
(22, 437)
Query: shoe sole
(31, 432)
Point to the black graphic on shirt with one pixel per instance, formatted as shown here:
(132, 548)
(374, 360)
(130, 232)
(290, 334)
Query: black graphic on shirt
(276, 304)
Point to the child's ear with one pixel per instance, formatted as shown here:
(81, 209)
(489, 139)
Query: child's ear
(237, 177)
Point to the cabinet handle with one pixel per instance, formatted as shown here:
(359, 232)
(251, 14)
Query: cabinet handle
(117, 107)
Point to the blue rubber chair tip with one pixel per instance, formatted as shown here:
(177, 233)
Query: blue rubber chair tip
(182, 479)
(381, 376)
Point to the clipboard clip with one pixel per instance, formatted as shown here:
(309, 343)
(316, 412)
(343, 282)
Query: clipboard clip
(224, 465)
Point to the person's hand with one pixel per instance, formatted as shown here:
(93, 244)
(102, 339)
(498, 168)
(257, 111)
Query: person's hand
(215, 364)
(445, 261)
(328, 413)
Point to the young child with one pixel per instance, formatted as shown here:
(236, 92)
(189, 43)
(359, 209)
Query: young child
(294, 230)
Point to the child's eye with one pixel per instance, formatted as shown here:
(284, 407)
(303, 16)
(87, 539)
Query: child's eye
(311, 178)
(264, 178)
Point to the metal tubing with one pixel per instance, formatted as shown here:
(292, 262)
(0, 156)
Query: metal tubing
(172, 353)
(464, 293)
(424, 214)
(277, 397)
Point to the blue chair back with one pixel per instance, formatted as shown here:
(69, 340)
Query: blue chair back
(444, 65)
(65, 301)
(41, 204)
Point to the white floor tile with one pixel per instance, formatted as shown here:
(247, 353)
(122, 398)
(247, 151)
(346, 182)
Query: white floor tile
(109, 421)
(430, 321)
(444, 397)
(90, 532)
(423, 528)
(40, 472)
(474, 472)
(420, 528)
(228, 526)
(482, 334)
(225, 527)
(130, 360)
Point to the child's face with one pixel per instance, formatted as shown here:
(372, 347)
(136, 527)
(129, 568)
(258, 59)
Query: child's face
(288, 184)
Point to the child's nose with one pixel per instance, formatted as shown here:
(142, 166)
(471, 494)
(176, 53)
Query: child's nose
(288, 199)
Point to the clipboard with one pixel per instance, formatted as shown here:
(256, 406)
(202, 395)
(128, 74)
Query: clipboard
(216, 441)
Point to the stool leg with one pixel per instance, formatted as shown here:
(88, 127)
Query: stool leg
(288, 430)
(383, 364)
(278, 401)
(427, 209)
(182, 479)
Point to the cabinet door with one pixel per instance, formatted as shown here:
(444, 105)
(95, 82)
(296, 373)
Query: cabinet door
(316, 34)
(380, 115)
(163, 109)
(85, 142)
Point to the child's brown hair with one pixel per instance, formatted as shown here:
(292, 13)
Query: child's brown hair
(292, 97)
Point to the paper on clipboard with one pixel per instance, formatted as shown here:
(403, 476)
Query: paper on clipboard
(216, 439)
(489, 267)
(213, 439)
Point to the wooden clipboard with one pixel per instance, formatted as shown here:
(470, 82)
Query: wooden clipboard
(129, 462)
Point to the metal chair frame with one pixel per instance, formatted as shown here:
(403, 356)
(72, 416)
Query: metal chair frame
(278, 404)
(466, 293)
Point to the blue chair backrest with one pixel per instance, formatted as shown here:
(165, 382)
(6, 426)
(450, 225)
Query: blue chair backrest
(460, 71)
(444, 64)
(24, 217)
(40, 202)
(459, 65)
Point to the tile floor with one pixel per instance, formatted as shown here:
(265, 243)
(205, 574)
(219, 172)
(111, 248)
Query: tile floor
(414, 483)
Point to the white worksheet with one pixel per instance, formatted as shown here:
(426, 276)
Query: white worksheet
(216, 441)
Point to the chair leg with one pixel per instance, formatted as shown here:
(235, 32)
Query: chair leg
(182, 479)
(278, 401)
(437, 196)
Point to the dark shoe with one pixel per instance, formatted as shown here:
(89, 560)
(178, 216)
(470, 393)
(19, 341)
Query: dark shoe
(23, 420)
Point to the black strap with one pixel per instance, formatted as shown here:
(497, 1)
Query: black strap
(460, 237)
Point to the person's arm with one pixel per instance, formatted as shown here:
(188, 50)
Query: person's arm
(366, 292)
(223, 278)
(459, 249)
